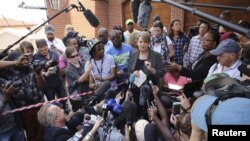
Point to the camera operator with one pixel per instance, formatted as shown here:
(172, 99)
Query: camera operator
(31, 84)
(54, 121)
(51, 72)
(10, 128)
(82, 48)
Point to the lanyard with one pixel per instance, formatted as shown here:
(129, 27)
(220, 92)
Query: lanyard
(99, 71)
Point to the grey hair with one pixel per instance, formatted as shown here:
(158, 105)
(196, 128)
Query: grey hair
(103, 30)
(45, 116)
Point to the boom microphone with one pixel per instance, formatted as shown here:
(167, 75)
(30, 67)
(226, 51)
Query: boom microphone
(89, 16)
(145, 11)
(134, 6)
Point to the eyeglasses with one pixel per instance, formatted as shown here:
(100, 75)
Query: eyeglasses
(74, 56)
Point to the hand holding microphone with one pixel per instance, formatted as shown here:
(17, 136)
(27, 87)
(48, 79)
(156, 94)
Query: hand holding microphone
(135, 74)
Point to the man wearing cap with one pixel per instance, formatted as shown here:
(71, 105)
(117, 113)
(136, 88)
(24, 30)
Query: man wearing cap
(227, 54)
(53, 42)
(130, 29)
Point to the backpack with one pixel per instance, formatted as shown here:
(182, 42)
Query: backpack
(227, 92)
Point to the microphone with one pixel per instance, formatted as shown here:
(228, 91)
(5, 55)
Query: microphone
(99, 93)
(145, 11)
(245, 69)
(134, 6)
(144, 94)
(89, 16)
(131, 80)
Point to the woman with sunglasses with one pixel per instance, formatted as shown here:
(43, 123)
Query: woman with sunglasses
(76, 74)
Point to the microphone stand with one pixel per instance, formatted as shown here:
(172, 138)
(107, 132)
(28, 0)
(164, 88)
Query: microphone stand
(67, 9)
(235, 27)
(247, 9)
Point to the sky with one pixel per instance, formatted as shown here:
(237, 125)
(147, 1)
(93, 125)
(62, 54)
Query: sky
(9, 9)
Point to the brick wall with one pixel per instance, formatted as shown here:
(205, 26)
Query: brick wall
(115, 12)
(60, 21)
(177, 13)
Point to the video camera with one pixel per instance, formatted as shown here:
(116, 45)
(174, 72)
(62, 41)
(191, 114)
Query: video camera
(81, 41)
(39, 65)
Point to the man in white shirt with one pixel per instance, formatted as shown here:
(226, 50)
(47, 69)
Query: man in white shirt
(227, 54)
(53, 42)
(130, 29)
(104, 37)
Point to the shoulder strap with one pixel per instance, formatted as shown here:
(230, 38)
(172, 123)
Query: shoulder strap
(231, 91)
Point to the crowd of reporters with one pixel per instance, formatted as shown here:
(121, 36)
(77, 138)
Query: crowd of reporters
(116, 106)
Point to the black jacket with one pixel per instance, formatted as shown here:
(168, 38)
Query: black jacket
(57, 134)
(201, 68)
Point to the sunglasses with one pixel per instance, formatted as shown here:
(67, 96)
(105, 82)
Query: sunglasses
(74, 56)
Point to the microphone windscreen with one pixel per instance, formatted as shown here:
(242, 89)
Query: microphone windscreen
(144, 94)
(145, 11)
(91, 18)
(131, 78)
(110, 94)
(244, 69)
(103, 88)
(130, 111)
(134, 6)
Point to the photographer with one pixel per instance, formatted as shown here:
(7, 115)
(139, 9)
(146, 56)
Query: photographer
(10, 128)
(54, 121)
(50, 70)
(31, 85)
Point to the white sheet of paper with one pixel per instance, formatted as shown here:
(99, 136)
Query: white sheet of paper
(141, 79)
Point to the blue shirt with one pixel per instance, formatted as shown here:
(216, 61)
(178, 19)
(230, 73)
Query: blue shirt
(121, 55)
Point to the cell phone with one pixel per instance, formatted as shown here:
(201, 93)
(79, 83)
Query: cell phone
(76, 137)
(151, 84)
(152, 103)
(93, 119)
(148, 104)
(176, 108)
